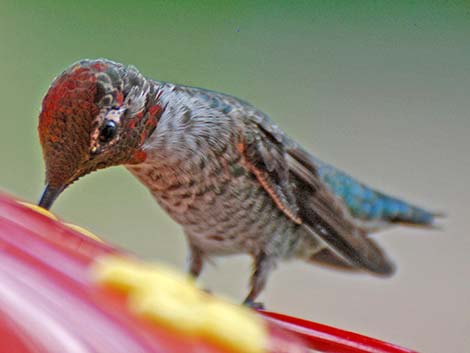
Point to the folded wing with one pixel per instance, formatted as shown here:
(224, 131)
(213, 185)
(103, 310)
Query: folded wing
(289, 175)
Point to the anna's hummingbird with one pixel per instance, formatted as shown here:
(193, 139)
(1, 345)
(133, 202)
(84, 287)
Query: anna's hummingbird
(219, 166)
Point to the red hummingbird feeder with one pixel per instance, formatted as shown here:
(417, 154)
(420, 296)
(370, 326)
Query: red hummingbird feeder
(61, 290)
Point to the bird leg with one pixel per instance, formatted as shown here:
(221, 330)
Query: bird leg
(262, 266)
(196, 261)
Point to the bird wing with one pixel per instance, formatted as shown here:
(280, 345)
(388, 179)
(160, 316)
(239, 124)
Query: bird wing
(288, 174)
(265, 157)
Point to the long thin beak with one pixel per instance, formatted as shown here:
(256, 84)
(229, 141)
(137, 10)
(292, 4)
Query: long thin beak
(49, 195)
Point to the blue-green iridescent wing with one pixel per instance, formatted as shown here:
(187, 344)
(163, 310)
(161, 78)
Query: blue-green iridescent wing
(367, 204)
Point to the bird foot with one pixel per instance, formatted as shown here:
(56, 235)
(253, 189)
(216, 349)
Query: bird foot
(253, 305)
(207, 291)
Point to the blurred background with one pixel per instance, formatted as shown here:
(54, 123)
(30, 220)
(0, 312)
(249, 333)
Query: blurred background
(378, 88)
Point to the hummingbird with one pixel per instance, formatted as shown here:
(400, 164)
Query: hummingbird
(234, 181)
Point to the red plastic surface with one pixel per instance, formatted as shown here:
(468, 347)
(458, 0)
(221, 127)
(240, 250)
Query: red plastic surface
(48, 302)
(330, 339)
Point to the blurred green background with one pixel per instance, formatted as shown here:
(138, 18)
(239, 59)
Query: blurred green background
(379, 88)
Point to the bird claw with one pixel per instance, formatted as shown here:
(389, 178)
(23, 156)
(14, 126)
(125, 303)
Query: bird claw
(207, 291)
(253, 305)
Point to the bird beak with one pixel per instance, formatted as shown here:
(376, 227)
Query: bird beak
(49, 195)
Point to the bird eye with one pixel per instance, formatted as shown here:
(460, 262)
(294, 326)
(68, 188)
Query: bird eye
(108, 131)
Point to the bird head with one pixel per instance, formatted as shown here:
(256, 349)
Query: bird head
(96, 114)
